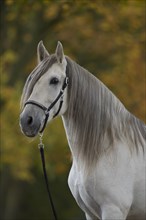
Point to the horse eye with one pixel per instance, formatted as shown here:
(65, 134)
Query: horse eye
(54, 81)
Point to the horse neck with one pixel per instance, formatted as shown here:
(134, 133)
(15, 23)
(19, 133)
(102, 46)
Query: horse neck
(95, 118)
(87, 120)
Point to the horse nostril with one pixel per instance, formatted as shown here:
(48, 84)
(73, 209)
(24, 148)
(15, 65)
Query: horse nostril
(29, 120)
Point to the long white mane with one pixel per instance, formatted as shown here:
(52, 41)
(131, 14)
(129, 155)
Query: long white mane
(97, 117)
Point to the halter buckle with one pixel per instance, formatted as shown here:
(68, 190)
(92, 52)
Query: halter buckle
(41, 145)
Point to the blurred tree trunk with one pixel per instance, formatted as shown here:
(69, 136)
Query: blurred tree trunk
(11, 191)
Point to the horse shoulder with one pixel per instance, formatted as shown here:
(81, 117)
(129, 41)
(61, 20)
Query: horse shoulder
(112, 181)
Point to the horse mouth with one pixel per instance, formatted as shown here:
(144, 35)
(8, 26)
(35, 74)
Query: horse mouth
(31, 135)
(30, 132)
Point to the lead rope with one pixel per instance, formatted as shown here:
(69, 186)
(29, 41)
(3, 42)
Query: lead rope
(41, 148)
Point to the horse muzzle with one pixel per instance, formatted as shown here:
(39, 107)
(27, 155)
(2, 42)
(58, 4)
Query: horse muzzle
(31, 120)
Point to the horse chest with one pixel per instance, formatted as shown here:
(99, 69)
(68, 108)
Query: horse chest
(81, 190)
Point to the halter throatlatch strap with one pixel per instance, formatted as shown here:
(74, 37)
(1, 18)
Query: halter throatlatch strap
(47, 110)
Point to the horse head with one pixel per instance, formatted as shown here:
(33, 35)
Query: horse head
(44, 94)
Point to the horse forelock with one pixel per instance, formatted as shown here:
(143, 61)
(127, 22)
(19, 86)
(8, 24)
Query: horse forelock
(34, 76)
(95, 116)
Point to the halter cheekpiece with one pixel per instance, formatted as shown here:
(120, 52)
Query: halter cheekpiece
(47, 110)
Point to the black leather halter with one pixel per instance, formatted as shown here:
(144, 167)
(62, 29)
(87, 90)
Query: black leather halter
(47, 110)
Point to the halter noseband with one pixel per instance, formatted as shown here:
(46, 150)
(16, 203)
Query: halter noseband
(47, 110)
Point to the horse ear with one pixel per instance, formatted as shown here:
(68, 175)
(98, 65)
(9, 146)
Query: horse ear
(42, 53)
(59, 52)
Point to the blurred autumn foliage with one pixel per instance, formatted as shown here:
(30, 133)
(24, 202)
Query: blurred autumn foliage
(107, 37)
